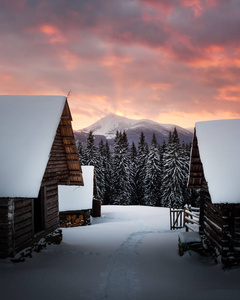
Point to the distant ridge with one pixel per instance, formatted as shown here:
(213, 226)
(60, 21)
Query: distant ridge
(107, 127)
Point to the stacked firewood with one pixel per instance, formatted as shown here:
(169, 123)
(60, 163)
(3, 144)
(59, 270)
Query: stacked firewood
(73, 219)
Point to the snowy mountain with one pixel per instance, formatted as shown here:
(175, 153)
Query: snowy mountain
(107, 127)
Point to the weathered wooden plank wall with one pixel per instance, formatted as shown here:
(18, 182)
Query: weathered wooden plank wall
(4, 231)
(196, 177)
(23, 230)
(57, 168)
(222, 228)
(51, 204)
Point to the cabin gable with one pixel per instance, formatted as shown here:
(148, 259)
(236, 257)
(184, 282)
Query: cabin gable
(63, 164)
(24, 220)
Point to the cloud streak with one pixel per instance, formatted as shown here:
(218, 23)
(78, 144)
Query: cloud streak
(170, 61)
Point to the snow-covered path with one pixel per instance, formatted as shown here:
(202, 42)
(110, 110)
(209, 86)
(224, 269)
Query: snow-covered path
(128, 253)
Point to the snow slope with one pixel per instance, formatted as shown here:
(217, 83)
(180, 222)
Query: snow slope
(128, 253)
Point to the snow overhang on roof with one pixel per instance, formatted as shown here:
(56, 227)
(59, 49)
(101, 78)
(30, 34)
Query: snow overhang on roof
(28, 126)
(78, 197)
(219, 148)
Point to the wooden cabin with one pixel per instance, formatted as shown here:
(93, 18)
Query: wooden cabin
(215, 171)
(78, 204)
(37, 153)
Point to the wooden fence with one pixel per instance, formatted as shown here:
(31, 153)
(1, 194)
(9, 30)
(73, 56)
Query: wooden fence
(191, 218)
(187, 217)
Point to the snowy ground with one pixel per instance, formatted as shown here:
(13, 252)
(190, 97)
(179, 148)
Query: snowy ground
(128, 253)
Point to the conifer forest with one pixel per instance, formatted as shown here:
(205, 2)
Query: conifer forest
(154, 175)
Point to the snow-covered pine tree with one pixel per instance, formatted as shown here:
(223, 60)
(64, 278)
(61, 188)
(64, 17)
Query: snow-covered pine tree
(175, 172)
(81, 152)
(93, 158)
(90, 150)
(140, 169)
(152, 181)
(108, 174)
(121, 173)
(100, 170)
(162, 151)
(133, 168)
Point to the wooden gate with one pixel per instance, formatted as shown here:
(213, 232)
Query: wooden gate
(176, 218)
(184, 217)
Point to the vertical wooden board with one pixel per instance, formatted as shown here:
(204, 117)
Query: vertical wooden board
(22, 221)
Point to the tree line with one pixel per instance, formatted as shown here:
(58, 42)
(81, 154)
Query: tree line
(142, 175)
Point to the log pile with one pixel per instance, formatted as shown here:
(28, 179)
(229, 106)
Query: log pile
(75, 218)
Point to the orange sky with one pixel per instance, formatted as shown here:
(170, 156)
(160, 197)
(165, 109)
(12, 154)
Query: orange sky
(172, 61)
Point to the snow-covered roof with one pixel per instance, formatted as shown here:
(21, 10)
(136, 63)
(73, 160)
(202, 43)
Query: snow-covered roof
(219, 147)
(28, 126)
(78, 197)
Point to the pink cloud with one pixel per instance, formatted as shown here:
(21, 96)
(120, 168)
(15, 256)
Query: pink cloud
(154, 59)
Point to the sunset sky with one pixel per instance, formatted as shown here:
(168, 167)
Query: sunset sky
(171, 61)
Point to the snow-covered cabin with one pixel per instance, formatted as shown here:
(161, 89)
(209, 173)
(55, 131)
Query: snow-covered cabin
(215, 170)
(78, 203)
(38, 152)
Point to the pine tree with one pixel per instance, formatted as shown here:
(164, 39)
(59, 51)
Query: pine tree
(175, 172)
(121, 172)
(108, 174)
(133, 168)
(100, 170)
(152, 181)
(81, 152)
(90, 151)
(140, 169)
(93, 158)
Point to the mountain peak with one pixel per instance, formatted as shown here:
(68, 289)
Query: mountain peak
(111, 123)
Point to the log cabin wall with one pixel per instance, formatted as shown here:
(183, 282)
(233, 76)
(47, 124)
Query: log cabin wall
(5, 225)
(16, 224)
(220, 223)
(231, 234)
(236, 231)
(23, 229)
(212, 223)
(51, 212)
